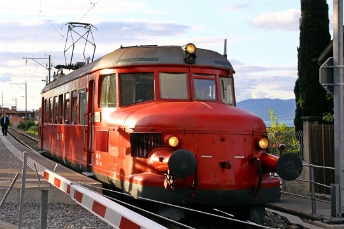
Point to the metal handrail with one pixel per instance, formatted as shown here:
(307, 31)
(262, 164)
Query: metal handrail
(312, 183)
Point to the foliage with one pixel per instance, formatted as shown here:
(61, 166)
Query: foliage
(29, 124)
(281, 134)
(297, 120)
(328, 116)
(310, 96)
(33, 130)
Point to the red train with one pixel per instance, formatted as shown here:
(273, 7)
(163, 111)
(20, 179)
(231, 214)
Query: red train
(160, 122)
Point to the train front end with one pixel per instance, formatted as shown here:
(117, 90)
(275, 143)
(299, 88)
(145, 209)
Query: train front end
(188, 142)
(176, 136)
(207, 153)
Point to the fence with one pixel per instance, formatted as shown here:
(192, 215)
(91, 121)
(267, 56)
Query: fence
(14, 192)
(8, 177)
(293, 142)
(313, 196)
(321, 152)
(32, 211)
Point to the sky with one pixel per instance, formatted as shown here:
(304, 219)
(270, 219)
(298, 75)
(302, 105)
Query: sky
(262, 39)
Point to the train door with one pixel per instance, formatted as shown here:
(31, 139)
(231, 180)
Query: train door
(90, 111)
(42, 120)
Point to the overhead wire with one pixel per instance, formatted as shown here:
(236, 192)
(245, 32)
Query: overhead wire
(34, 44)
(93, 5)
(39, 18)
(61, 36)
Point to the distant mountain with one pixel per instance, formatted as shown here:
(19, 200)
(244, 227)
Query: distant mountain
(284, 109)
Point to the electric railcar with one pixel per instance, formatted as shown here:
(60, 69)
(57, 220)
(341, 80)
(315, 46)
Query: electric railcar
(161, 122)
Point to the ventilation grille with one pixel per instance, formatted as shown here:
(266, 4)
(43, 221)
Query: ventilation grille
(139, 59)
(143, 143)
(102, 139)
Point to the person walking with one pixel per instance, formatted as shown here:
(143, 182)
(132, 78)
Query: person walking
(5, 121)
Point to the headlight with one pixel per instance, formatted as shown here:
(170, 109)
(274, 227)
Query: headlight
(190, 48)
(172, 141)
(263, 143)
(189, 53)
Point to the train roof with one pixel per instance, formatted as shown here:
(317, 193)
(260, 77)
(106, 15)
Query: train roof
(145, 55)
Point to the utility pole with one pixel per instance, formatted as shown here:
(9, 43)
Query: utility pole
(49, 65)
(26, 105)
(15, 105)
(25, 84)
(337, 206)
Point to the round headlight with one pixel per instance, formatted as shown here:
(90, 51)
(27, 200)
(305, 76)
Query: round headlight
(190, 48)
(263, 143)
(173, 141)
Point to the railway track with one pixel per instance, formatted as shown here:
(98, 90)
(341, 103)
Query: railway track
(29, 140)
(212, 219)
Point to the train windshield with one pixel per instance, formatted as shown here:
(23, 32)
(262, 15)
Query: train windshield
(205, 89)
(136, 87)
(226, 89)
(173, 85)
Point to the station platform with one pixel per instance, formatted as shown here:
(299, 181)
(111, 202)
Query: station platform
(11, 163)
(302, 208)
(71, 188)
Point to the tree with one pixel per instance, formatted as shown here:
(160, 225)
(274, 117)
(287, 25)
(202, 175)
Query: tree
(310, 96)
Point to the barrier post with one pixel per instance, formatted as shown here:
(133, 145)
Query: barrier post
(314, 209)
(22, 193)
(334, 200)
(44, 208)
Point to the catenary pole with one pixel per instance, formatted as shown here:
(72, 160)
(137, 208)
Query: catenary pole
(48, 68)
(338, 102)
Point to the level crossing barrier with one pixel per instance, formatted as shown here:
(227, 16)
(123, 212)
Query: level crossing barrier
(114, 214)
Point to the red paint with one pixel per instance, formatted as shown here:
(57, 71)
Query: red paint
(99, 209)
(221, 137)
(78, 196)
(127, 224)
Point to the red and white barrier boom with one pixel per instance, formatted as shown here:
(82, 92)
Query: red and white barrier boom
(114, 214)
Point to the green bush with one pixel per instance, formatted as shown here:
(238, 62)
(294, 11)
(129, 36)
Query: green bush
(29, 124)
(281, 134)
(33, 130)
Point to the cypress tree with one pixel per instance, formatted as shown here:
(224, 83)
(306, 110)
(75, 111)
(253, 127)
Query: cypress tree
(310, 96)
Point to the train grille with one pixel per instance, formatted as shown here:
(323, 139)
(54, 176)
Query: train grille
(102, 141)
(143, 143)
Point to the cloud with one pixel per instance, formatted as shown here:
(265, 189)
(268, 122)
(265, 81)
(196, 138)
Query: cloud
(72, 9)
(36, 29)
(50, 36)
(135, 28)
(255, 94)
(264, 81)
(286, 20)
(232, 8)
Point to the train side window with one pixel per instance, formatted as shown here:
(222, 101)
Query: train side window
(205, 89)
(66, 109)
(227, 90)
(55, 109)
(83, 103)
(74, 107)
(136, 87)
(173, 85)
(51, 110)
(60, 107)
(46, 110)
(108, 91)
